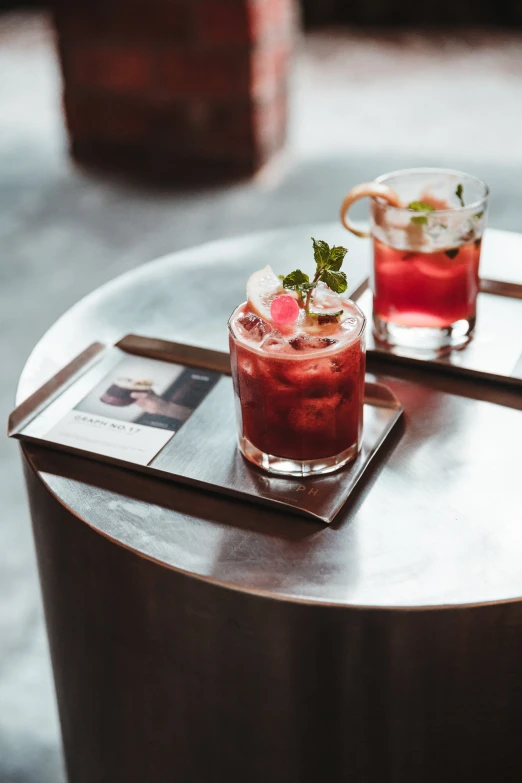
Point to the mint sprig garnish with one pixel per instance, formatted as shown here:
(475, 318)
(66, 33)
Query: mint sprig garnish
(328, 263)
(459, 191)
(420, 206)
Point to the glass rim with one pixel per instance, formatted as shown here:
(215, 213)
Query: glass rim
(381, 179)
(331, 349)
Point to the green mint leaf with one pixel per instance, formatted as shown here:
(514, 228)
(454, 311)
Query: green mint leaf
(336, 258)
(295, 280)
(453, 253)
(335, 280)
(459, 192)
(321, 252)
(478, 215)
(325, 315)
(420, 206)
(281, 277)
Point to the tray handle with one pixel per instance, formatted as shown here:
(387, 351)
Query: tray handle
(30, 407)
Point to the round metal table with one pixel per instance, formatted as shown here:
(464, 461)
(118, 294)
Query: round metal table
(198, 638)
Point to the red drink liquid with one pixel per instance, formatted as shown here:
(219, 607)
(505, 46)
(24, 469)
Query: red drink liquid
(432, 290)
(299, 402)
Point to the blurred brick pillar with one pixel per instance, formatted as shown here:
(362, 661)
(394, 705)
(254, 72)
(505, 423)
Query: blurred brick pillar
(176, 89)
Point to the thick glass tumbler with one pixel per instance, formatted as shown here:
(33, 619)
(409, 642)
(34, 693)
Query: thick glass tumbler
(299, 401)
(426, 253)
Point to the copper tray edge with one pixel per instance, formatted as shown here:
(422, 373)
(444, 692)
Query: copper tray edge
(52, 388)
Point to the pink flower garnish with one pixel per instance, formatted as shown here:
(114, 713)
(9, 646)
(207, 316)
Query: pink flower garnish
(284, 310)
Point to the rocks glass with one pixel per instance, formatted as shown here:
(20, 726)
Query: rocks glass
(299, 400)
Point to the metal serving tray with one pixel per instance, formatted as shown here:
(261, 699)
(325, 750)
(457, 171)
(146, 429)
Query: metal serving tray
(203, 452)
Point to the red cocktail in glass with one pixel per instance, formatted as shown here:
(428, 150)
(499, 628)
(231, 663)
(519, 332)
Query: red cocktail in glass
(299, 396)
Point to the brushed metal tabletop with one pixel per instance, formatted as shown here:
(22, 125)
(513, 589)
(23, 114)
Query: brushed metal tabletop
(437, 523)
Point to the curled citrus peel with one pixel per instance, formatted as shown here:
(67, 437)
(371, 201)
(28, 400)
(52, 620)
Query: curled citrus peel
(364, 190)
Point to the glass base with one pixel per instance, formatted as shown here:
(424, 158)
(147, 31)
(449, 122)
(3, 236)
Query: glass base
(423, 340)
(284, 466)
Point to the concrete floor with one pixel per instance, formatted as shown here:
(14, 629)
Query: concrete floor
(362, 104)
